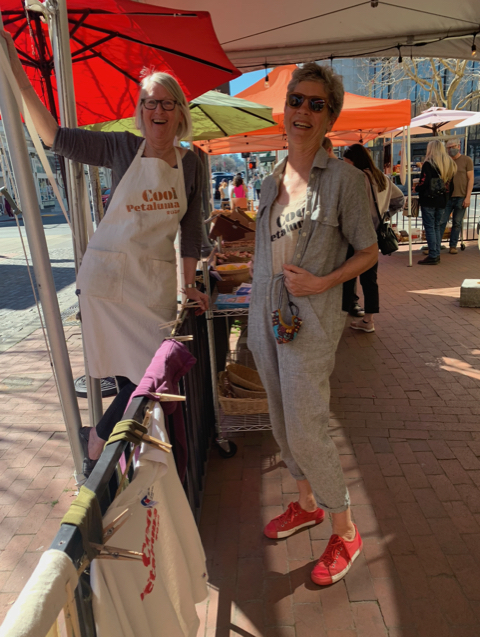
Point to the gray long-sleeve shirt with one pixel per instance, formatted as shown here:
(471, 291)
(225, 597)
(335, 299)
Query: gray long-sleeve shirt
(117, 151)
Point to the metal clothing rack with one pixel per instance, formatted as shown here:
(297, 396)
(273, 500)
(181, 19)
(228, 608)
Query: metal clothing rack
(226, 423)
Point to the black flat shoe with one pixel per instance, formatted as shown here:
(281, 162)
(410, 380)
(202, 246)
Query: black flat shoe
(429, 261)
(88, 465)
(356, 311)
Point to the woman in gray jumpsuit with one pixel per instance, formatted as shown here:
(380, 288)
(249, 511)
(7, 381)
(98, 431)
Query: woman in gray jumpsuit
(310, 209)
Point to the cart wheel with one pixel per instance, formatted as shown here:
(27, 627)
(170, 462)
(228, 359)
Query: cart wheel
(462, 247)
(227, 449)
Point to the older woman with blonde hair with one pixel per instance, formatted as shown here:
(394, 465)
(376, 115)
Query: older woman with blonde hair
(435, 188)
(127, 282)
(311, 208)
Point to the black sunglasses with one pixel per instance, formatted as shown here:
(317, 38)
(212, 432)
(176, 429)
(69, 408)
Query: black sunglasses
(315, 104)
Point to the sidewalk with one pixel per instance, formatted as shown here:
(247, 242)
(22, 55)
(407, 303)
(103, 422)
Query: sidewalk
(405, 410)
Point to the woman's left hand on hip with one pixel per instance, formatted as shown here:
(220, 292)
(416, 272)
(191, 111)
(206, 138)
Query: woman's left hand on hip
(193, 294)
(300, 282)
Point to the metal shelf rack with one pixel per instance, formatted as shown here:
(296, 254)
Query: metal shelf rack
(226, 423)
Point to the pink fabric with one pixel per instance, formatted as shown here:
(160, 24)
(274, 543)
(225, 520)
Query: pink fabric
(239, 191)
(170, 363)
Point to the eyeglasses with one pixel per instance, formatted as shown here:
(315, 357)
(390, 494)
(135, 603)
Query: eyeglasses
(315, 104)
(150, 104)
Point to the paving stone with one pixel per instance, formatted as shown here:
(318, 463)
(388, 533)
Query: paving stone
(309, 620)
(336, 608)
(368, 620)
(278, 607)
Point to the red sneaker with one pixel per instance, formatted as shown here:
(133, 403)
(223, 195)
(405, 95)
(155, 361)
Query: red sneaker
(294, 519)
(337, 559)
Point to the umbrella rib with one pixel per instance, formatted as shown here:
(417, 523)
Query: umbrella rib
(28, 58)
(85, 57)
(165, 49)
(162, 15)
(107, 61)
(79, 22)
(89, 47)
(19, 31)
(20, 16)
(216, 123)
(243, 110)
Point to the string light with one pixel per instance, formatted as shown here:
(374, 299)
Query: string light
(400, 59)
(474, 46)
(267, 78)
(374, 3)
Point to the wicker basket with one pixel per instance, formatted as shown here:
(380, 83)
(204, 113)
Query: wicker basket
(239, 406)
(241, 392)
(244, 377)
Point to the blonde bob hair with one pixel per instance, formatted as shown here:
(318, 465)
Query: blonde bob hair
(438, 157)
(147, 84)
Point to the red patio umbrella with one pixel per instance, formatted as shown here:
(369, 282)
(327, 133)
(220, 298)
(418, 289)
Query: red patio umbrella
(111, 42)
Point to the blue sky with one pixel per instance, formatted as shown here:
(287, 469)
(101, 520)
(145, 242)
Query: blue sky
(246, 80)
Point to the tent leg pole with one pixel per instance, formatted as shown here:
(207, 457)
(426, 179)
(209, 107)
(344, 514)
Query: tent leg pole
(59, 34)
(211, 189)
(409, 191)
(41, 265)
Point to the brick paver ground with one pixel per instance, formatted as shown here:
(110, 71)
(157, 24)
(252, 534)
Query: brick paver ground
(405, 418)
(36, 468)
(405, 411)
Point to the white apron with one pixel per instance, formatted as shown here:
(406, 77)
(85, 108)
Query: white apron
(128, 276)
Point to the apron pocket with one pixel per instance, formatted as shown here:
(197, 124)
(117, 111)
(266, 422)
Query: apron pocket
(162, 284)
(101, 274)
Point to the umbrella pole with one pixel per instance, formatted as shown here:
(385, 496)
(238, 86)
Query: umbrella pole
(41, 264)
(59, 34)
(409, 195)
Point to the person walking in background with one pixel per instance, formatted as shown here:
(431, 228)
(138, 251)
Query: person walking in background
(257, 186)
(223, 189)
(239, 189)
(462, 190)
(327, 144)
(387, 199)
(434, 189)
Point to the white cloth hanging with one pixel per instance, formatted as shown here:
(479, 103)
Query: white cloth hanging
(42, 598)
(155, 597)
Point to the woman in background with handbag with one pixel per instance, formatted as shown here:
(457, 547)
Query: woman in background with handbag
(435, 189)
(386, 200)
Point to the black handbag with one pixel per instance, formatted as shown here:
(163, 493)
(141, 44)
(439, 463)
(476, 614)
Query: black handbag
(387, 241)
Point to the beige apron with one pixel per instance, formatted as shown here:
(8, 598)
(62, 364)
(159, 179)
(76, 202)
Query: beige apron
(128, 276)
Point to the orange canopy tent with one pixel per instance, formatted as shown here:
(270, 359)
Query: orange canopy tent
(361, 119)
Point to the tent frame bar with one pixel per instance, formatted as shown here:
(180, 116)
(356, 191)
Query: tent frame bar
(41, 264)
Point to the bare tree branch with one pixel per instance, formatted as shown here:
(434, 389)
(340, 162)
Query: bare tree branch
(450, 83)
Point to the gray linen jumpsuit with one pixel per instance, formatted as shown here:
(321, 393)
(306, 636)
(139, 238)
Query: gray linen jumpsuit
(296, 374)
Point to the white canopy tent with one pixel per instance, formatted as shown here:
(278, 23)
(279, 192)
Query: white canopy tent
(257, 33)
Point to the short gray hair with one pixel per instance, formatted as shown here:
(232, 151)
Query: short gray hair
(453, 142)
(313, 72)
(169, 83)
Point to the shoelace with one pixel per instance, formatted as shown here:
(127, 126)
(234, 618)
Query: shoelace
(333, 550)
(289, 514)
